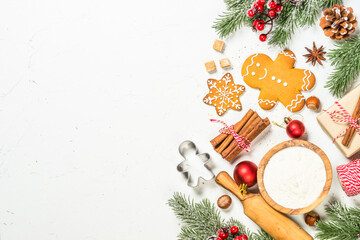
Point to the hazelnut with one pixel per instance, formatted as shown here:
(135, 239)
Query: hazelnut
(224, 201)
(313, 103)
(311, 218)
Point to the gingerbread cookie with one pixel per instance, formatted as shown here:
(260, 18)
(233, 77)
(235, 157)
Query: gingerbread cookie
(277, 80)
(224, 94)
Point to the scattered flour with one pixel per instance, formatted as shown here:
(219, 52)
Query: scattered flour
(294, 177)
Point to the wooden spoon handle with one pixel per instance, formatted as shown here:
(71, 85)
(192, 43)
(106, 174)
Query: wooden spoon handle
(224, 179)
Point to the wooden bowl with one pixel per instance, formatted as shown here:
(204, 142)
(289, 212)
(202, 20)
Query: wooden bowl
(273, 151)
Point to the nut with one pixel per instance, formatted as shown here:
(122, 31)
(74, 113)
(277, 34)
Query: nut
(313, 103)
(224, 201)
(311, 218)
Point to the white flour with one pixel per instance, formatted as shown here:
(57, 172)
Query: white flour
(295, 177)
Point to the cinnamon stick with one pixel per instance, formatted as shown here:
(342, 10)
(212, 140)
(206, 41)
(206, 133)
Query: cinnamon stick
(351, 131)
(251, 136)
(230, 138)
(237, 127)
(253, 123)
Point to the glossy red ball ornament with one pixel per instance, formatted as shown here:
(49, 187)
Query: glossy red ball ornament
(260, 26)
(260, 8)
(245, 172)
(278, 8)
(294, 128)
(234, 230)
(250, 13)
(261, 2)
(223, 233)
(272, 4)
(262, 37)
(272, 13)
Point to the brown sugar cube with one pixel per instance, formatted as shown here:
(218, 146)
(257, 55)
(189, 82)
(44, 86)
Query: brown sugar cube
(225, 63)
(210, 66)
(218, 45)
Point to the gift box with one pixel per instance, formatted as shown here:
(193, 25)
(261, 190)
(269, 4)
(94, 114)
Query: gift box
(334, 128)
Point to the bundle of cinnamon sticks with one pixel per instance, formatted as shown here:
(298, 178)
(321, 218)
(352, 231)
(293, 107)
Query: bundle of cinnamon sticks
(351, 131)
(250, 126)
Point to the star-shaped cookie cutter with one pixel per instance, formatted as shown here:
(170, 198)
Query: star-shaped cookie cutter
(186, 148)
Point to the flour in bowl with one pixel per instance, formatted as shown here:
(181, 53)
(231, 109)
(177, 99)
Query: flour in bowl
(295, 177)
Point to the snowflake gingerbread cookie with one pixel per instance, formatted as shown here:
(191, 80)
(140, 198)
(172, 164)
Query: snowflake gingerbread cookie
(224, 94)
(277, 80)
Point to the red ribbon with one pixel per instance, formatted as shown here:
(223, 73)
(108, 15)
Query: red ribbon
(343, 116)
(349, 175)
(241, 141)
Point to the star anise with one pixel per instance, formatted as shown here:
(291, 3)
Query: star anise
(315, 55)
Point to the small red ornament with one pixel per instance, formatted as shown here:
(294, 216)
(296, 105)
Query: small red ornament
(245, 175)
(223, 233)
(272, 4)
(234, 230)
(272, 13)
(278, 8)
(260, 8)
(262, 37)
(250, 13)
(294, 128)
(260, 26)
(262, 2)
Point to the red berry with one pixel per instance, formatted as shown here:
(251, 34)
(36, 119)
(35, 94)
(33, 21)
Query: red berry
(250, 13)
(223, 233)
(243, 237)
(262, 37)
(219, 238)
(254, 5)
(234, 230)
(278, 8)
(261, 2)
(260, 8)
(260, 26)
(272, 4)
(272, 13)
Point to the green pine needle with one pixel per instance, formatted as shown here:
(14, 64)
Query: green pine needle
(343, 223)
(202, 220)
(346, 59)
(290, 19)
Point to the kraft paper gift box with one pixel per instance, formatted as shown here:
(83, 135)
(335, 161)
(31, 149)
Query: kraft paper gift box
(333, 129)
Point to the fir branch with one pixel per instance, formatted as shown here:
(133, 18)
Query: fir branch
(346, 59)
(285, 26)
(329, 3)
(203, 219)
(308, 12)
(234, 18)
(344, 223)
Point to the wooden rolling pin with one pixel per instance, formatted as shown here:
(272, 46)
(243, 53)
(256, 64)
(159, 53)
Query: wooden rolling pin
(274, 223)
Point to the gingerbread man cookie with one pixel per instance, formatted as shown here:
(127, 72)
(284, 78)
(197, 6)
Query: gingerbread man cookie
(224, 94)
(277, 80)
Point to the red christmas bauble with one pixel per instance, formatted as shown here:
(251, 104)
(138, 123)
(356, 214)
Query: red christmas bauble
(261, 2)
(250, 13)
(246, 173)
(260, 8)
(272, 13)
(295, 128)
(262, 37)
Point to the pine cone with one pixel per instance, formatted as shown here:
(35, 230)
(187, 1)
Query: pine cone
(339, 22)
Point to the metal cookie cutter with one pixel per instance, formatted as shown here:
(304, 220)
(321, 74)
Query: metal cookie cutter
(189, 151)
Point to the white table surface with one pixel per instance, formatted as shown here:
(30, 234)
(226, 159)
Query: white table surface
(95, 98)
